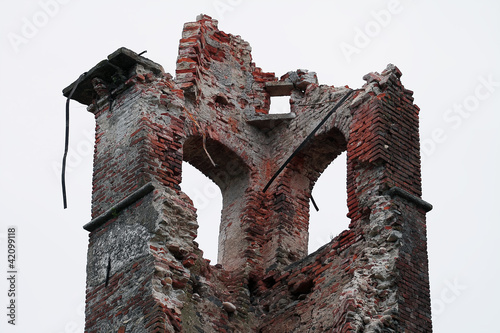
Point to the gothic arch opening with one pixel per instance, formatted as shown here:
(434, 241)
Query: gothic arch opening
(330, 195)
(216, 161)
(322, 165)
(207, 199)
(228, 172)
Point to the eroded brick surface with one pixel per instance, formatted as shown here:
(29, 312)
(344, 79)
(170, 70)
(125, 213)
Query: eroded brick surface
(145, 272)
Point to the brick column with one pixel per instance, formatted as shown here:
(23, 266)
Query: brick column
(384, 190)
(137, 172)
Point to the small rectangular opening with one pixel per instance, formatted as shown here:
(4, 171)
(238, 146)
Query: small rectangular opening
(280, 104)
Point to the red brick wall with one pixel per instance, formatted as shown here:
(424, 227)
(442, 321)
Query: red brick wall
(373, 276)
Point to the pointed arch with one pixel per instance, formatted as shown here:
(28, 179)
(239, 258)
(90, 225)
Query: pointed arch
(231, 175)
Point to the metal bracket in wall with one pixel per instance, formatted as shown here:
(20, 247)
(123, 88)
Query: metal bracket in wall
(108, 271)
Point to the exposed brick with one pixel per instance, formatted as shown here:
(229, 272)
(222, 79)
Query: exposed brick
(145, 271)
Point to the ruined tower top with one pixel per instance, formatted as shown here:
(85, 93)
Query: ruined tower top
(145, 272)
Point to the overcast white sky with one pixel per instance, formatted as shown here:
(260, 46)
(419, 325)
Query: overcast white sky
(448, 52)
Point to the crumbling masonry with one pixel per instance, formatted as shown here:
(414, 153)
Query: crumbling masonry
(145, 272)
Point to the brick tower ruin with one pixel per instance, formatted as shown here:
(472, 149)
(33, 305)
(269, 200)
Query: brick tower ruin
(145, 271)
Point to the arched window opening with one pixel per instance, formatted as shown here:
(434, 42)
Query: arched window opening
(230, 176)
(280, 104)
(330, 195)
(207, 199)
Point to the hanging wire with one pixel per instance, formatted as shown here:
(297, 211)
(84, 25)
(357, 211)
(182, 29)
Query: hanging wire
(66, 143)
